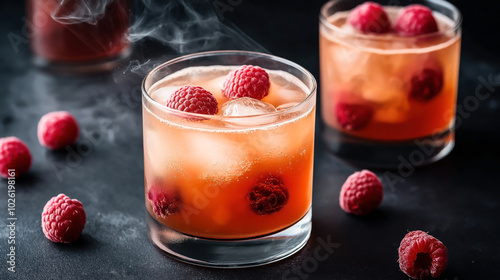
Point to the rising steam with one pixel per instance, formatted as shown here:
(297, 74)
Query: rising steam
(187, 26)
(184, 27)
(169, 27)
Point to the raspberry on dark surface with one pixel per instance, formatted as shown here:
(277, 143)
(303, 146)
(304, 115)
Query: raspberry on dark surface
(268, 196)
(426, 84)
(15, 156)
(246, 81)
(63, 219)
(353, 116)
(193, 99)
(422, 256)
(361, 193)
(164, 202)
(370, 17)
(415, 20)
(57, 130)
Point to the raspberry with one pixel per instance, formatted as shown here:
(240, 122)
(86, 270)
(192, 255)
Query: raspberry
(57, 130)
(14, 154)
(193, 99)
(353, 116)
(422, 256)
(164, 203)
(63, 219)
(426, 84)
(246, 81)
(369, 17)
(361, 193)
(415, 20)
(268, 196)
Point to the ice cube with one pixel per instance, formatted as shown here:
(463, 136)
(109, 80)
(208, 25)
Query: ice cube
(246, 106)
(382, 89)
(162, 95)
(278, 96)
(286, 106)
(348, 61)
(349, 29)
(179, 82)
(159, 149)
(396, 112)
(215, 157)
(215, 87)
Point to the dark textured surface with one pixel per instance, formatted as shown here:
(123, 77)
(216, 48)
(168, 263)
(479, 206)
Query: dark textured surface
(455, 199)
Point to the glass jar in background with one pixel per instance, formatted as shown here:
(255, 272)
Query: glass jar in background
(78, 36)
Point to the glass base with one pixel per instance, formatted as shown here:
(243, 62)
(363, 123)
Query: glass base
(81, 67)
(230, 253)
(388, 154)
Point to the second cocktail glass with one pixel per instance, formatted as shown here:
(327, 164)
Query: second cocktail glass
(386, 98)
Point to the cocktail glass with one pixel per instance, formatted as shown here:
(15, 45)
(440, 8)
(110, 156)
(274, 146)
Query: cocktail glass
(388, 100)
(205, 175)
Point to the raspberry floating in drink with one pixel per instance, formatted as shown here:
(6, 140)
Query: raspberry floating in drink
(415, 20)
(268, 196)
(247, 81)
(426, 84)
(193, 99)
(165, 202)
(353, 116)
(370, 17)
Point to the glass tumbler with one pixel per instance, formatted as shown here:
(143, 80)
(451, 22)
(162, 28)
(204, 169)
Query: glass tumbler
(224, 190)
(389, 100)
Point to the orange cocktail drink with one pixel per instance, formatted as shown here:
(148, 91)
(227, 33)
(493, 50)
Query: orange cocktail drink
(386, 89)
(243, 173)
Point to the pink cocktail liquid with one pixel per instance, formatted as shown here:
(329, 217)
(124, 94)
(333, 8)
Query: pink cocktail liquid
(66, 31)
(377, 72)
(212, 165)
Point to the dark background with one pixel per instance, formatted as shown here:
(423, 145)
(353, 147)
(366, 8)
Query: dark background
(455, 199)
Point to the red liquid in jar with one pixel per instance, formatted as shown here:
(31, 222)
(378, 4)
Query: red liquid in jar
(91, 36)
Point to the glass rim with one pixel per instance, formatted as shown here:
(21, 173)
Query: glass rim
(457, 23)
(311, 94)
